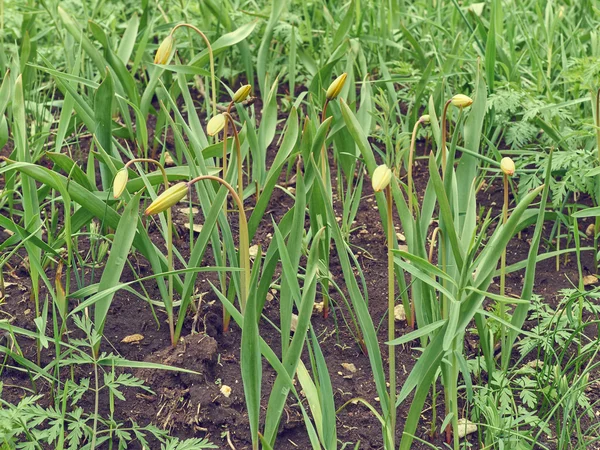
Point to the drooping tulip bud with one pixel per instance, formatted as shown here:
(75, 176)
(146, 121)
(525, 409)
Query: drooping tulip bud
(164, 50)
(168, 199)
(215, 124)
(241, 94)
(336, 86)
(382, 176)
(120, 182)
(461, 101)
(425, 119)
(507, 166)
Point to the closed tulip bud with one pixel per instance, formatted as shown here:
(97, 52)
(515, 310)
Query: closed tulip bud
(120, 182)
(164, 50)
(425, 119)
(462, 101)
(382, 176)
(336, 87)
(168, 199)
(241, 94)
(507, 166)
(215, 124)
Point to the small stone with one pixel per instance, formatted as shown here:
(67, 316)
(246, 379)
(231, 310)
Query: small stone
(269, 297)
(401, 237)
(589, 280)
(465, 427)
(589, 231)
(132, 339)
(225, 390)
(349, 367)
(403, 248)
(399, 313)
(196, 227)
(363, 231)
(27, 312)
(318, 307)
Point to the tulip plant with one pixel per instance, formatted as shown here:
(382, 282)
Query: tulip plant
(177, 192)
(119, 186)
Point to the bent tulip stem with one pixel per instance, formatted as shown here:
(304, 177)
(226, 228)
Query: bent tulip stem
(211, 59)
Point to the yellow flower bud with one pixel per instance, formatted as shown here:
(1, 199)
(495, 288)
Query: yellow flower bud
(336, 86)
(382, 176)
(241, 94)
(167, 199)
(120, 182)
(425, 119)
(461, 101)
(215, 124)
(164, 50)
(507, 166)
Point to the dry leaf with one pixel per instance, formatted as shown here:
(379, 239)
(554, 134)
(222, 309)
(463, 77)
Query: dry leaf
(399, 313)
(535, 364)
(186, 211)
(253, 251)
(225, 390)
(590, 279)
(589, 231)
(132, 339)
(294, 323)
(196, 227)
(465, 427)
(349, 367)
(169, 160)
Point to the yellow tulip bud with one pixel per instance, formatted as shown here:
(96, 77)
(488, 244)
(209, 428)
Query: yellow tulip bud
(241, 94)
(425, 119)
(120, 182)
(336, 86)
(164, 50)
(167, 199)
(507, 166)
(215, 124)
(382, 176)
(461, 101)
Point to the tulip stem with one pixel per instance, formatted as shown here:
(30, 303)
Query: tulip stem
(240, 186)
(244, 241)
(169, 307)
(391, 318)
(211, 59)
(238, 152)
(409, 171)
(324, 166)
(597, 223)
(444, 137)
(501, 305)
